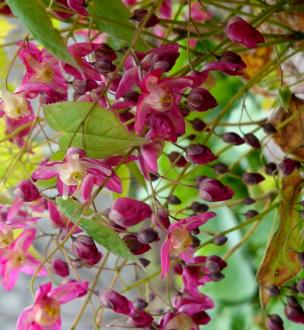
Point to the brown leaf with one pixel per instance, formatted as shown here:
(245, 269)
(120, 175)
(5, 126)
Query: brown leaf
(280, 262)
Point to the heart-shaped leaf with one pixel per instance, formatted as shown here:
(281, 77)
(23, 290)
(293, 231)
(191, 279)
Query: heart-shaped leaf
(95, 227)
(91, 128)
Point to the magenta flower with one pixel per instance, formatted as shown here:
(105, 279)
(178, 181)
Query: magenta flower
(189, 312)
(78, 172)
(179, 241)
(240, 31)
(199, 154)
(44, 314)
(27, 191)
(43, 74)
(16, 258)
(212, 190)
(85, 249)
(79, 51)
(157, 107)
(128, 212)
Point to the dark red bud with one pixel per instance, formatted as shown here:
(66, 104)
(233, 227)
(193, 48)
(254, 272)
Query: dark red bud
(135, 246)
(233, 138)
(60, 268)
(251, 214)
(248, 201)
(85, 249)
(199, 207)
(220, 168)
(271, 168)
(195, 242)
(198, 124)
(300, 286)
(274, 291)
(27, 191)
(174, 200)
(177, 159)
(274, 322)
(144, 262)
(212, 190)
(216, 277)
(104, 66)
(301, 258)
(139, 14)
(161, 219)
(252, 140)
(287, 166)
(199, 154)
(252, 178)
(200, 99)
(140, 303)
(220, 240)
(105, 52)
(268, 128)
(147, 235)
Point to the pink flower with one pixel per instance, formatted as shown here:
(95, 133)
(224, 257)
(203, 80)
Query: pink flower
(179, 241)
(78, 172)
(166, 9)
(79, 51)
(212, 190)
(128, 212)
(27, 192)
(157, 107)
(240, 31)
(43, 74)
(85, 249)
(16, 258)
(44, 314)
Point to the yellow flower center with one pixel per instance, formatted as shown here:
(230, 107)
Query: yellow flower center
(44, 74)
(6, 238)
(180, 322)
(47, 313)
(180, 241)
(14, 105)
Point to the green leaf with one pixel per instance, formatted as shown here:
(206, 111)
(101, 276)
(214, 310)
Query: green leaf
(95, 227)
(35, 18)
(112, 17)
(91, 128)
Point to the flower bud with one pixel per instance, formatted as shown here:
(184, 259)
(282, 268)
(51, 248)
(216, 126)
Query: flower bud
(233, 138)
(135, 246)
(300, 256)
(220, 240)
(177, 159)
(85, 249)
(274, 322)
(216, 277)
(252, 178)
(199, 207)
(268, 128)
(300, 286)
(128, 212)
(140, 319)
(105, 52)
(251, 214)
(240, 31)
(252, 140)
(139, 14)
(294, 311)
(248, 201)
(104, 66)
(200, 99)
(144, 262)
(147, 235)
(271, 168)
(161, 219)
(212, 190)
(140, 304)
(220, 168)
(60, 268)
(214, 265)
(198, 124)
(27, 191)
(287, 166)
(274, 291)
(199, 154)
(174, 200)
(115, 301)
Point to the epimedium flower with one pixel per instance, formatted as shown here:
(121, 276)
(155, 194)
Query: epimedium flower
(44, 314)
(179, 241)
(43, 74)
(157, 108)
(128, 212)
(199, 154)
(240, 31)
(78, 172)
(15, 258)
(79, 6)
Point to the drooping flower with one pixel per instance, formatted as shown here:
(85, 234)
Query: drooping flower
(179, 241)
(157, 107)
(128, 212)
(85, 249)
(212, 190)
(240, 31)
(15, 258)
(78, 172)
(44, 314)
(200, 99)
(43, 74)
(199, 154)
